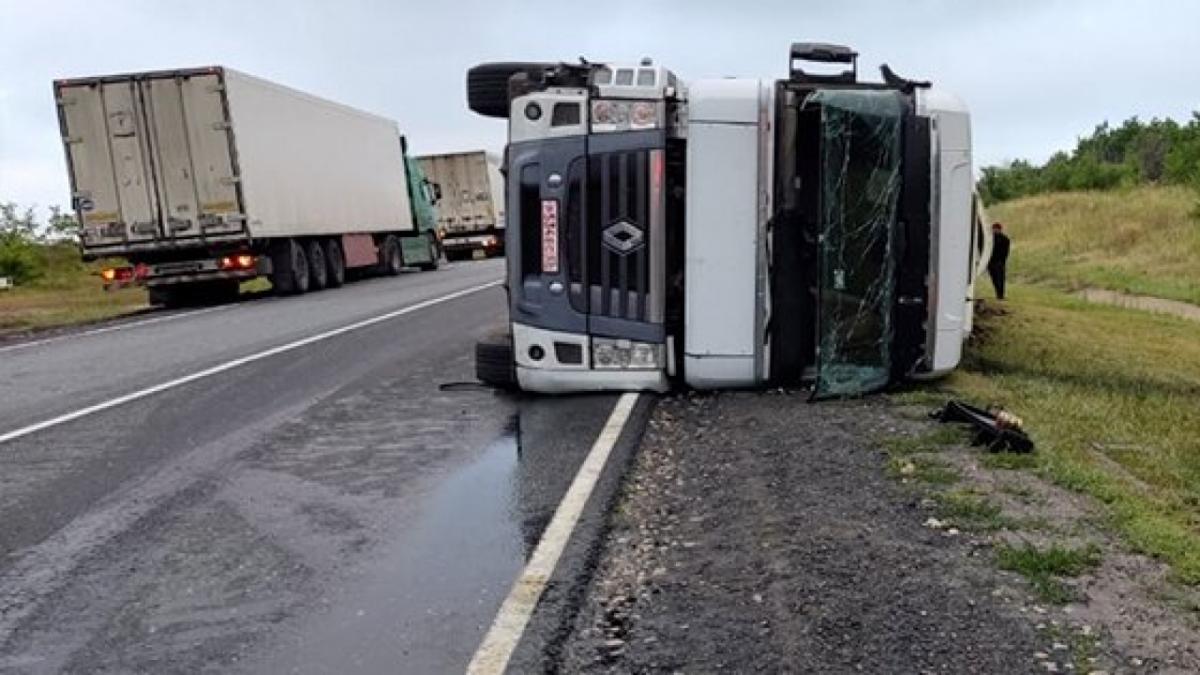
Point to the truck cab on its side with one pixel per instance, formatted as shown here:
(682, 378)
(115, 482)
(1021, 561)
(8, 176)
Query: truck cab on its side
(732, 233)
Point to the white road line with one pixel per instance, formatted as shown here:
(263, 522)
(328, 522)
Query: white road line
(491, 658)
(110, 329)
(236, 363)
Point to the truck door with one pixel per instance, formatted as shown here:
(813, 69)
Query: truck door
(859, 238)
(108, 156)
(83, 120)
(196, 180)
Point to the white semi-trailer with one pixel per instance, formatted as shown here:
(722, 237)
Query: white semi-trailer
(203, 178)
(726, 233)
(470, 210)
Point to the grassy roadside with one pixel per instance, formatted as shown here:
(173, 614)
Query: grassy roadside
(1112, 397)
(1144, 240)
(69, 293)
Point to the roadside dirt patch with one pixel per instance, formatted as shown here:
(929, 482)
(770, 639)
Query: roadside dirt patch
(1127, 606)
(758, 532)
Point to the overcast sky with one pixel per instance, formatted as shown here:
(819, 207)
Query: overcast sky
(1035, 74)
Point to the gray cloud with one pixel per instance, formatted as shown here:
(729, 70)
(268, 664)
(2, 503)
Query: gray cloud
(1035, 74)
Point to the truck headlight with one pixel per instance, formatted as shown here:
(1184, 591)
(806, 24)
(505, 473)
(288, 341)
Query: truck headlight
(609, 354)
(619, 115)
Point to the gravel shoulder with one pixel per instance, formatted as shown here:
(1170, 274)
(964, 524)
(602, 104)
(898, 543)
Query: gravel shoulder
(758, 532)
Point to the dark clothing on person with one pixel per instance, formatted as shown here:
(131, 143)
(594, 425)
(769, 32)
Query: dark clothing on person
(998, 262)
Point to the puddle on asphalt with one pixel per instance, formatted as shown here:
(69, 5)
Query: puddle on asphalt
(423, 602)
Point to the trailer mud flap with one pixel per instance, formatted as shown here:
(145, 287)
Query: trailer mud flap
(861, 150)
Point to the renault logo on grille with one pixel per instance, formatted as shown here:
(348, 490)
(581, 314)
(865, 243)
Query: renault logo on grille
(622, 237)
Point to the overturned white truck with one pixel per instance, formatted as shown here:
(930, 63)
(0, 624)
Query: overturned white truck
(730, 233)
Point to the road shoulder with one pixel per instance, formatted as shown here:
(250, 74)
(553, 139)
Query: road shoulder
(757, 532)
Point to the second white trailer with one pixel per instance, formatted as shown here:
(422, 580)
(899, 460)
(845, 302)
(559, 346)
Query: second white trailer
(203, 177)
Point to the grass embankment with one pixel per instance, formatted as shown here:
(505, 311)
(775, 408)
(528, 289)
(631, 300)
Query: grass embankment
(1144, 240)
(1112, 398)
(70, 292)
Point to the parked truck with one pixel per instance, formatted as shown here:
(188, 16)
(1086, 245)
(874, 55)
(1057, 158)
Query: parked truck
(471, 202)
(203, 178)
(724, 233)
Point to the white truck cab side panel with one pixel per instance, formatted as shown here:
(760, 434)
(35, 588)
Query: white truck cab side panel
(723, 237)
(953, 219)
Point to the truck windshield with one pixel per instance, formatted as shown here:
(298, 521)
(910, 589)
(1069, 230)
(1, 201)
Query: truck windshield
(860, 195)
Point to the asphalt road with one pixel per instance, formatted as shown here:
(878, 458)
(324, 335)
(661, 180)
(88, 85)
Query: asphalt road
(325, 507)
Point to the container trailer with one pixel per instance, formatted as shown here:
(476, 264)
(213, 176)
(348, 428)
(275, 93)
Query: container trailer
(202, 178)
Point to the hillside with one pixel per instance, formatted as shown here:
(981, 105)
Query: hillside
(1143, 240)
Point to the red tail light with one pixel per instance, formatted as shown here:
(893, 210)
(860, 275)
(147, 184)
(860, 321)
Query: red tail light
(116, 274)
(240, 261)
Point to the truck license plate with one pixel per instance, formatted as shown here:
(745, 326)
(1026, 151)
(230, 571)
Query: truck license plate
(550, 236)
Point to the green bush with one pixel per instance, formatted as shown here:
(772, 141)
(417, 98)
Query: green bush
(20, 259)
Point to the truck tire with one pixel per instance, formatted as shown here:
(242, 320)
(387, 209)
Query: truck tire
(289, 268)
(494, 364)
(435, 257)
(318, 268)
(336, 261)
(391, 258)
(487, 85)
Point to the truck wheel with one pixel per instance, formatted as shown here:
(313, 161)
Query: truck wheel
(318, 269)
(487, 85)
(435, 255)
(494, 362)
(289, 275)
(336, 262)
(391, 259)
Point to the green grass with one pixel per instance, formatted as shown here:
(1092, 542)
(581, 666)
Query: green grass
(1009, 461)
(1143, 240)
(922, 469)
(971, 511)
(70, 292)
(1045, 567)
(933, 441)
(1111, 396)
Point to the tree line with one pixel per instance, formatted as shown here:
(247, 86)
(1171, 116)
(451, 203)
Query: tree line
(22, 238)
(1161, 151)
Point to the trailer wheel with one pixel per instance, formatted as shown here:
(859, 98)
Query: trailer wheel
(487, 85)
(336, 261)
(318, 269)
(391, 259)
(494, 363)
(289, 275)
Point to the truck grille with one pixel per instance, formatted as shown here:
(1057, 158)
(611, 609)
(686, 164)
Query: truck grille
(613, 252)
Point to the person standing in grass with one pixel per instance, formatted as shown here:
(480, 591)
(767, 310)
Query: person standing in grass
(999, 260)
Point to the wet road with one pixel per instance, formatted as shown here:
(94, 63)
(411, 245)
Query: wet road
(328, 508)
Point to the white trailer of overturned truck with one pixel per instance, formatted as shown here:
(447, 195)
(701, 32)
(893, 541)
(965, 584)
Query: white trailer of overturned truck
(728, 233)
(205, 177)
